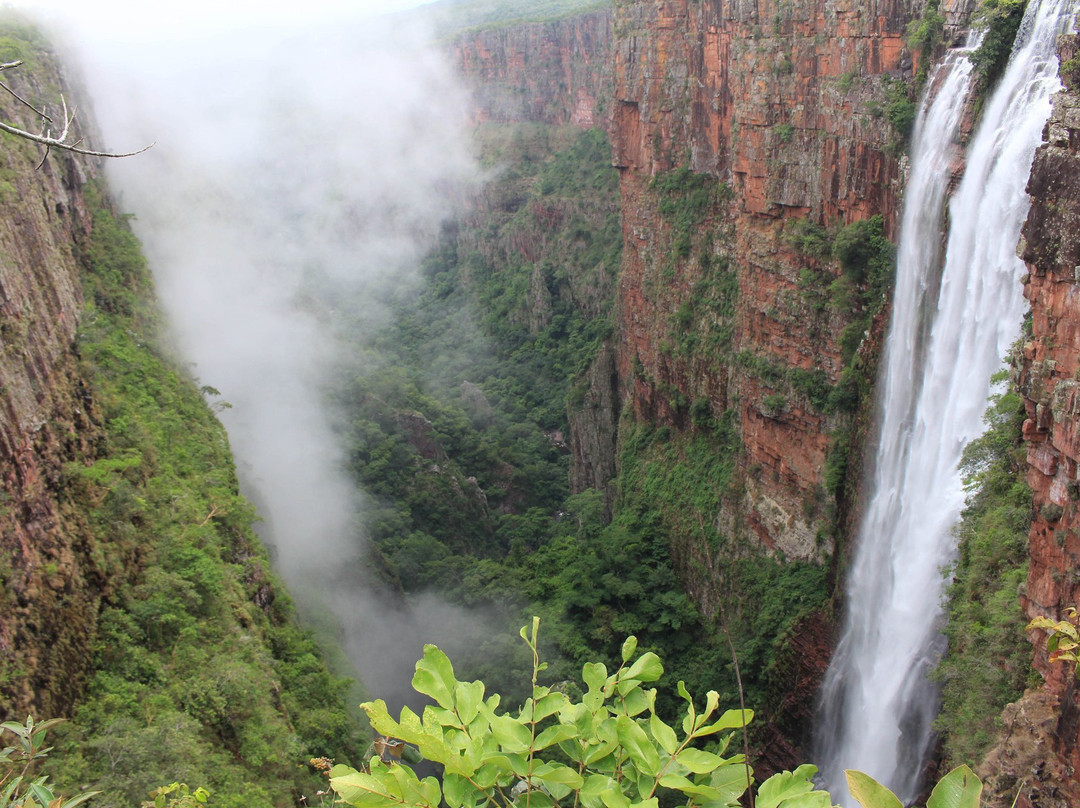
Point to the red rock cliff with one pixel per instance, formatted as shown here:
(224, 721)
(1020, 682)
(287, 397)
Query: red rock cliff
(1041, 755)
(781, 101)
(51, 586)
(547, 72)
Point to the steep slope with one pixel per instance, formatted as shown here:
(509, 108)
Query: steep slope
(759, 158)
(52, 585)
(137, 599)
(1040, 753)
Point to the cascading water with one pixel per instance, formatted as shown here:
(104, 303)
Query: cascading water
(944, 343)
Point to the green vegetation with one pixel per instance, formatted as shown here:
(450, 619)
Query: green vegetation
(1063, 637)
(989, 661)
(612, 748)
(1002, 21)
(200, 672)
(924, 37)
(465, 16)
(686, 198)
(784, 132)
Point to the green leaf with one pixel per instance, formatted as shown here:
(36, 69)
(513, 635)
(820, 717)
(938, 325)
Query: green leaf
(553, 735)
(786, 786)
(549, 705)
(731, 719)
(613, 798)
(731, 781)
(361, 790)
(595, 785)
(960, 788)
(636, 701)
(647, 668)
(594, 674)
(455, 787)
(511, 735)
(435, 677)
(638, 746)
(628, 648)
(664, 735)
(41, 792)
(79, 800)
(676, 781)
(699, 761)
(869, 793)
(558, 773)
(468, 696)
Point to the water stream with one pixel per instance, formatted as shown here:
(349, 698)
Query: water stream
(951, 328)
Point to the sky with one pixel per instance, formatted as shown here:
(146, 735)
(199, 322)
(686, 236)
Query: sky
(127, 18)
(300, 173)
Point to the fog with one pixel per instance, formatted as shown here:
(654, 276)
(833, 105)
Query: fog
(301, 170)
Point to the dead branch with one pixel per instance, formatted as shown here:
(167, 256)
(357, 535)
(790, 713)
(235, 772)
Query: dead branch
(46, 139)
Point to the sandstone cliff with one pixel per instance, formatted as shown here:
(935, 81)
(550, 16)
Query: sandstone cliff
(545, 72)
(1041, 753)
(51, 583)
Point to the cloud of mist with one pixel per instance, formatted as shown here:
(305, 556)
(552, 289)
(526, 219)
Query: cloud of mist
(298, 175)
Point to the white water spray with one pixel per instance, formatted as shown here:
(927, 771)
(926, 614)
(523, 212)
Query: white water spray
(944, 344)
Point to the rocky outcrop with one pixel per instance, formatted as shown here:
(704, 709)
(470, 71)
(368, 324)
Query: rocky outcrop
(555, 72)
(52, 580)
(781, 103)
(1042, 749)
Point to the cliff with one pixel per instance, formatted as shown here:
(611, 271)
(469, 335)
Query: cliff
(136, 598)
(781, 103)
(52, 585)
(545, 72)
(749, 139)
(1041, 752)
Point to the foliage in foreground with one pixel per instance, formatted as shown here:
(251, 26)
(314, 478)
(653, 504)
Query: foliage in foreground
(610, 749)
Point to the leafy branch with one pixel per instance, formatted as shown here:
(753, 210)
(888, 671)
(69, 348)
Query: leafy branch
(18, 790)
(621, 753)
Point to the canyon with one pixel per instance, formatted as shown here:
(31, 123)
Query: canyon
(748, 136)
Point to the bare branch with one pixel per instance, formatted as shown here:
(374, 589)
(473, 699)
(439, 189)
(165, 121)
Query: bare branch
(22, 100)
(46, 139)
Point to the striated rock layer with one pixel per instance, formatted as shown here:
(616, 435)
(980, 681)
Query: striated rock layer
(51, 581)
(1041, 752)
(544, 72)
(781, 102)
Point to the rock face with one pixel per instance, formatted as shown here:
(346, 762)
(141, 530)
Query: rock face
(51, 582)
(1050, 367)
(780, 102)
(545, 72)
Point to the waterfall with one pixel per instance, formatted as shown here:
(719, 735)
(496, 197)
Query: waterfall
(951, 327)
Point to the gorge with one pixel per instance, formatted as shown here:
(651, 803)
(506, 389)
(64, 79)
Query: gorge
(631, 400)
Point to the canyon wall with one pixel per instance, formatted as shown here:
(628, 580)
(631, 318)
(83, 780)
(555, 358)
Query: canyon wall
(780, 102)
(52, 581)
(545, 72)
(1040, 755)
(747, 137)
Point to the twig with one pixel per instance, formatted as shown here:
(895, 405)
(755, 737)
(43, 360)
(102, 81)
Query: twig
(22, 100)
(57, 144)
(46, 139)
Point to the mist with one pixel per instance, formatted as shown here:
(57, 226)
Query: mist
(300, 173)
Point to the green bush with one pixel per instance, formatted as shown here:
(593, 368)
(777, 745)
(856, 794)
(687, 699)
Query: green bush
(1002, 20)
